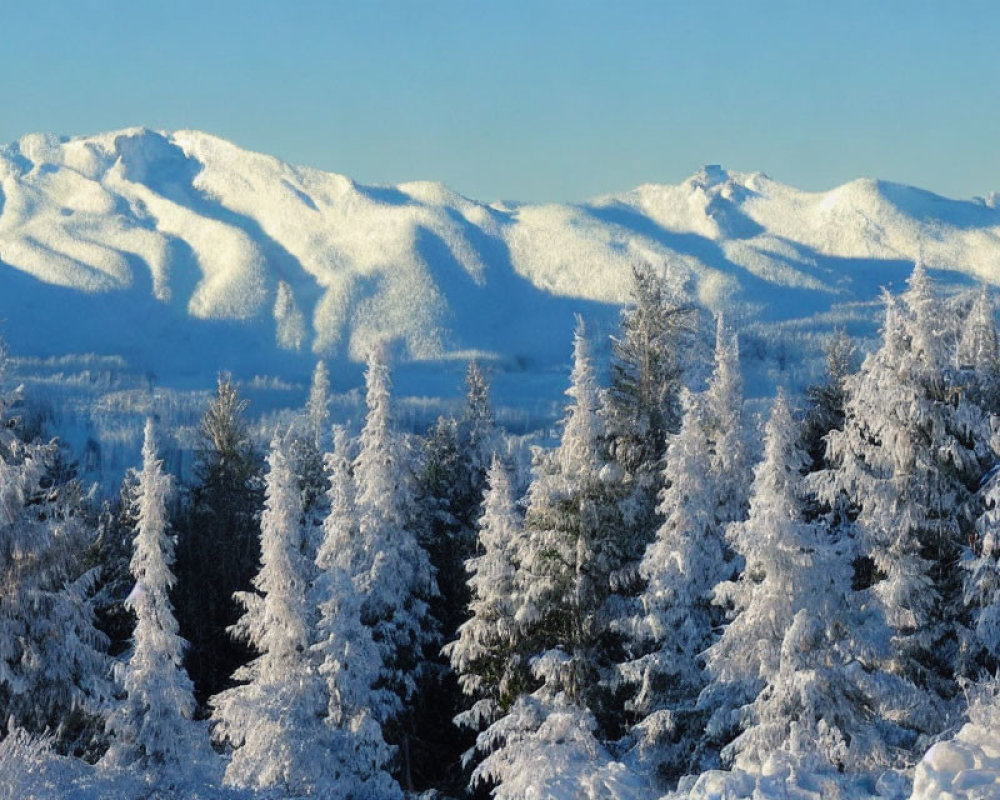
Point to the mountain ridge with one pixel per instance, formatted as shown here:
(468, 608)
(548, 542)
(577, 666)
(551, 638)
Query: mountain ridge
(166, 238)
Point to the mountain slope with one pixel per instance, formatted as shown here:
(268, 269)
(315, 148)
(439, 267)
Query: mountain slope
(175, 247)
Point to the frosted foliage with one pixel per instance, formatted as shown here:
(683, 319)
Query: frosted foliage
(681, 567)
(270, 718)
(50, 652)
(349, 665)
(339, 544)
(778, 550)
(820, 709)
(926, 331)
(578, 452)
(153, 722)
(393, 571)
(564, 564)
(801, 653)
(977, 344)
(318, 404)
(478, 422)
(724, 423)
(546, 748)
(982, 565)
(485, 644)
(903, 460)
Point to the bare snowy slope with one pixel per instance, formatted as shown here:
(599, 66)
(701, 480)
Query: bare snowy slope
(184, 253)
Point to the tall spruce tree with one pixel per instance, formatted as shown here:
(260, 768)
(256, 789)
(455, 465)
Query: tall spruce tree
(483, 655)
(675, 618)
(724, 425)
(394, 574)
(218, 546)
(52, 661)
(795, 673)
(978, 353)
(906, 463)
(152, 725)
(318, 404)
(348, 659)
(274, 718)
(564, 569)
(647, 369)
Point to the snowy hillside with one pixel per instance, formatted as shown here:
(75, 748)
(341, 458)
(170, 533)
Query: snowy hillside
(171, 248)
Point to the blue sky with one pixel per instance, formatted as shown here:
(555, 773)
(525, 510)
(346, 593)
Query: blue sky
(531, 100)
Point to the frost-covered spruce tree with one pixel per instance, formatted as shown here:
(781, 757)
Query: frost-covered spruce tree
(795, 671)
(306, 449)
(348, 659)
(562, 584)
(274, 718)
(152, 725)
(647, 368)
(775, 544)
(483, 655)
(318, 404)
(906, 462)
(569, 551)
(724, 423)
(548, 745)
(479, 436)
(218, 540)
(982, 581)
(52, 662)
(978, 353)
(395, 575)
(826, 399)
(674, 625)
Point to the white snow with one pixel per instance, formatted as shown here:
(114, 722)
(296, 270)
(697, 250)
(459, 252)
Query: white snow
(966, 767)
(149, 229)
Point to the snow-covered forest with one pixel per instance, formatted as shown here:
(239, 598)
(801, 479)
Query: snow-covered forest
(675, 595)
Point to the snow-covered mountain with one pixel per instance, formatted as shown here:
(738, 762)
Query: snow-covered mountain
(184, 254)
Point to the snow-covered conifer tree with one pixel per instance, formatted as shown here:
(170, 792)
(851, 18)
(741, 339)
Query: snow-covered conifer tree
(339, 544)
(977, 345)
(396, 577)
(349, 661)
(646, 376)
(724, 414)
(153, 723)
(478, 435)
(483, 656)
(51, 654)
(796, 670)
(394, 574)
(978, 353)
(982, 582)
(910, 450)
(566, 561)
(561, 587)
(680, 568)
(274, 718)
(548, 746)
(318, 404)
(775, 545)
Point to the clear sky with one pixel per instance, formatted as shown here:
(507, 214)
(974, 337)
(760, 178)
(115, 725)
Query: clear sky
(531, 100)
